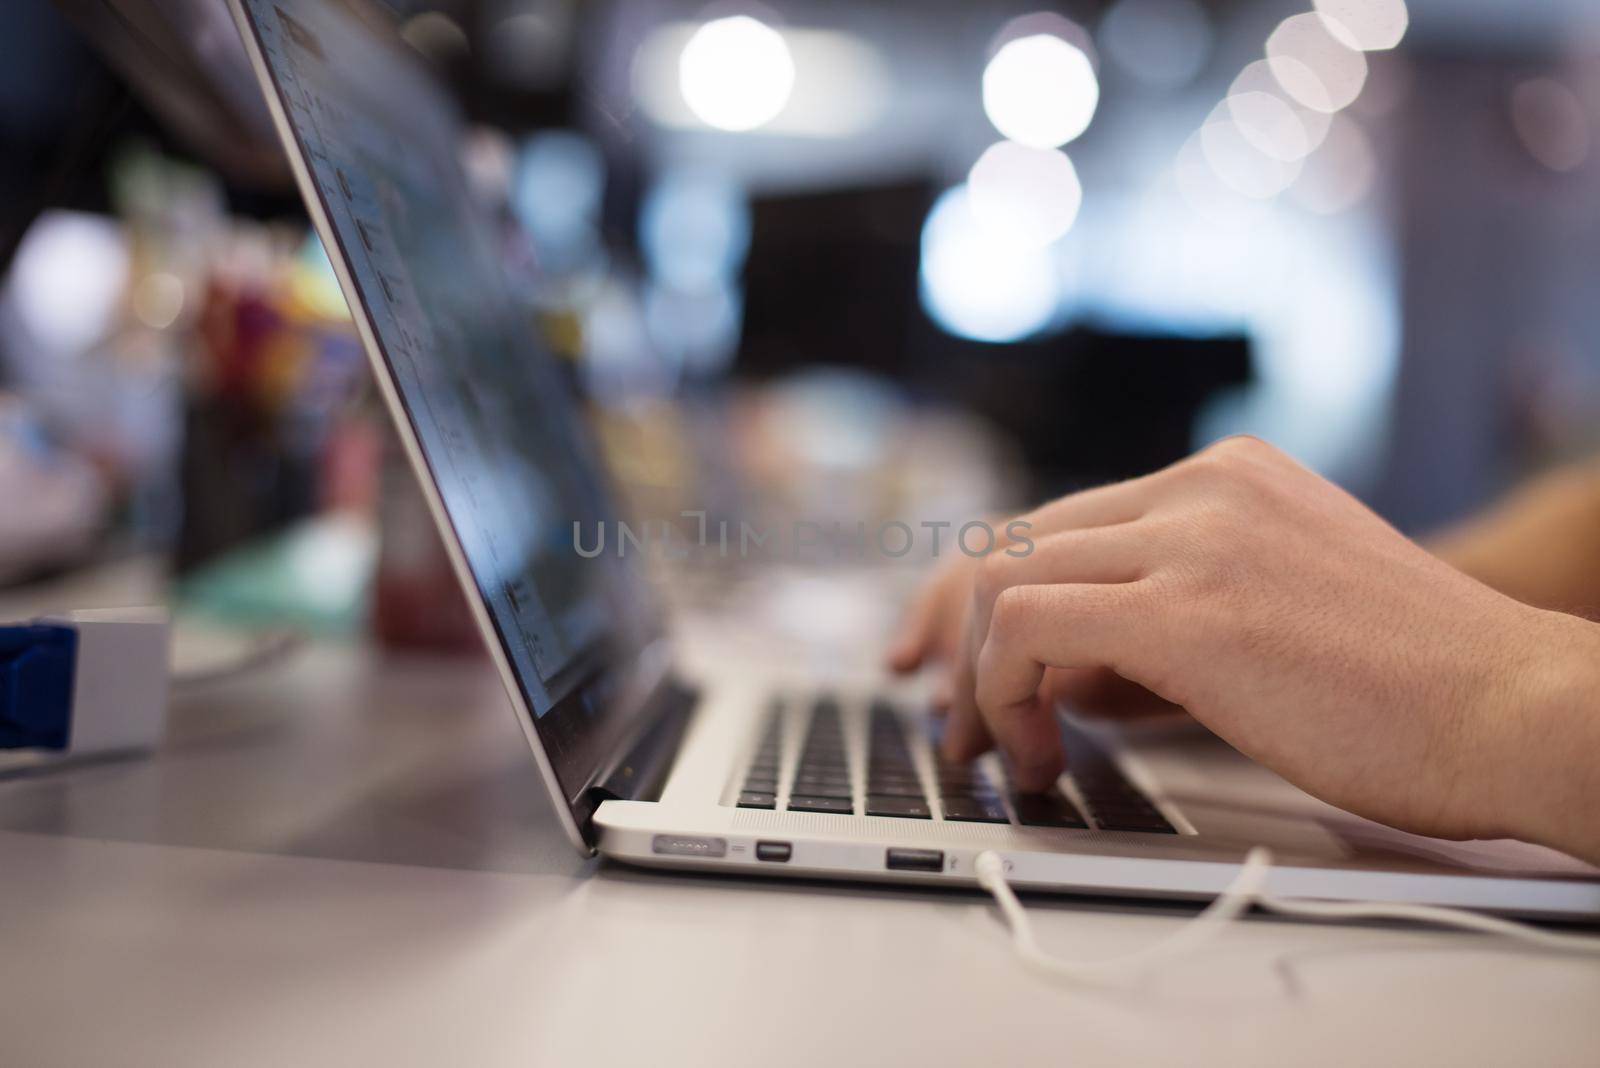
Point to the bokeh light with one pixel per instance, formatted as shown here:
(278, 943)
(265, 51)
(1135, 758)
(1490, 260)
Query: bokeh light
(1161, 43)
(736, 73)
(1040, 90)
(1552, 124)
(1283, 134)
(1341, 174)
(157, 299)
(1315, 68)
(437, 36)
(1238, 163)
(697, 331)
(1270, 124)
(842, 84)
(68, 276)
(555, 193)
(1025, 196)
(694, 229)
(1367, 25)
(978, 285)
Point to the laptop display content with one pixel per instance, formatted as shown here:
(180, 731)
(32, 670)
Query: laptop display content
(492, 413)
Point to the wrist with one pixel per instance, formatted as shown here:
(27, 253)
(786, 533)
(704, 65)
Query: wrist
(1543, 773)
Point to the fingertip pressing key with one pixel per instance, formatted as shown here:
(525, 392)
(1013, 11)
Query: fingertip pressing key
(1037, 771)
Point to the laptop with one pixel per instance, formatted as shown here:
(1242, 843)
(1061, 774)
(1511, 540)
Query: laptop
(728, 771)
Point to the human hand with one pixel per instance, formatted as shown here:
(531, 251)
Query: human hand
(934, 631)
(1303, 630)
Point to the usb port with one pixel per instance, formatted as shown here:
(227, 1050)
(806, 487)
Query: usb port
(776, 852)
(914, 860)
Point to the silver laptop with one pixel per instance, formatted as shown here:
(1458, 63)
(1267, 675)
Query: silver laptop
(726, 772)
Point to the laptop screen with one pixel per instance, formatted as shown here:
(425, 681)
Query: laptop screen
(492, 413)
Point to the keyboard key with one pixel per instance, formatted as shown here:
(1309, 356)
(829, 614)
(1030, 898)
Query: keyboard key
(814, 789)
(1155, 824)
(1046, 810)
(965, 810)
(904, 807)
(895, 789)
(820, 779)
(753, 799)
(761, 786)
(838, 805)
(1122, 809)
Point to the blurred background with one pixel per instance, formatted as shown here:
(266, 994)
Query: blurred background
(854, 260)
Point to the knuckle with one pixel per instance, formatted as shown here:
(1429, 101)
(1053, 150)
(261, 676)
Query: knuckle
(1233, 468)
(1011, 609)
(1243, 445)
(994, 576)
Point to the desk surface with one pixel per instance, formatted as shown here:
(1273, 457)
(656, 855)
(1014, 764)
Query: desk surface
(347, 859)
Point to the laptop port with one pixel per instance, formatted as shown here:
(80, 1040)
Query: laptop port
(685, 845)
(914, 860)
(776, 852)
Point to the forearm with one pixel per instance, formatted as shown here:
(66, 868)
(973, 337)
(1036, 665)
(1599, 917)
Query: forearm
(1540, 764)
(1540, 546)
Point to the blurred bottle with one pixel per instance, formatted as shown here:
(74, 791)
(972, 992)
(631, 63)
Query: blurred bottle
(417, 603)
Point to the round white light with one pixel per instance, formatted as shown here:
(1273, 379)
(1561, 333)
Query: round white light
(67, 278)
(1370, 25)
(1025, 196)
(1239, 164)
(977, 286)
(736, 73)
(1315, 68)
(1270, 125)
(1040, 91)
(1258, 120)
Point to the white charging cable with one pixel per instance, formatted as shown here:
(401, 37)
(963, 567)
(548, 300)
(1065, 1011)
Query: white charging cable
(1236, 898)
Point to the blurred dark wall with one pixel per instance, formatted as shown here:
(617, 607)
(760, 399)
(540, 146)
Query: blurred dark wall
(57, 103)
(1500, 290)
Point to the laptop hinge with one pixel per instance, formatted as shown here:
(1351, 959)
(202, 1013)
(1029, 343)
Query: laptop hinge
(642, 772)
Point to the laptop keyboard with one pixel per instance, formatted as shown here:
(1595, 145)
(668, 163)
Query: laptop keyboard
(892, 786)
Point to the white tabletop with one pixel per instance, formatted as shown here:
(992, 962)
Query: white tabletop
(347, 860)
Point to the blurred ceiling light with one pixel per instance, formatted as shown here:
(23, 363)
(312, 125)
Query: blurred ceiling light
(1342, 173)
(694, 230)
(1258, 78)
(1040, 90)
(840, 83)
(1025, 196)
(978, 286)
(556, 193)
(619, 361)
(736, 73)
(699, 331)
(1045, 24)
(1239, 164)
(1162, 43)
(157, 300)
(1269, 124)
(67, 280)
(1367, 25)
(1552, 124)
(436, 35)
(528, 47)
(1314, 67)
